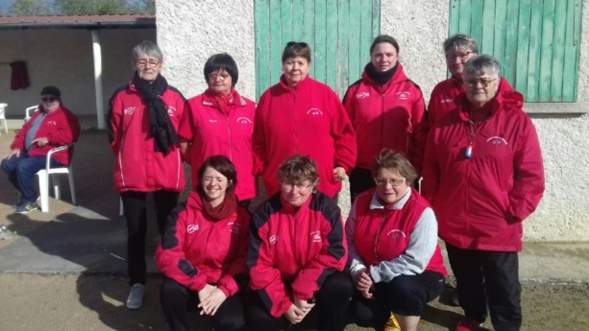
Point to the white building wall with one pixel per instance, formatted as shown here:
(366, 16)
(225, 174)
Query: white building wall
(189, 32)
(63, 57)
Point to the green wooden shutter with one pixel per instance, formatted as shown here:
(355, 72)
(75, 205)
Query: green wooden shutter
(537, 42)
(339, 33)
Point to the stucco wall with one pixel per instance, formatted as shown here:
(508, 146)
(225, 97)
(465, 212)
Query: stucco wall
(63, 58)
(190, 32)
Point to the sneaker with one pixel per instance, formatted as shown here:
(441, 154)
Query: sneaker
(468, 324)
(450, 296)
(26, 208)
(392, 324)
(135, 299)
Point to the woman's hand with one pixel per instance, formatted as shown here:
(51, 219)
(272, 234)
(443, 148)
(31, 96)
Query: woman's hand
(303, 305)
(205, 292)
(363, 281)
(339, 174)
(211, 304)
(294, 315)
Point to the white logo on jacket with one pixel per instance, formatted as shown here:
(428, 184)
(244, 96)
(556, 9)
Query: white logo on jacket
(403, 95)
(362, 95)
(396, 234)
(212, 120)
(315, 236)
(192, 228)
(171, 111)
(129, 111)
(243, 120)
(314, 112)
(447, 101)
(273, 239)
(52, 123)
(496, 140)
(235, 227)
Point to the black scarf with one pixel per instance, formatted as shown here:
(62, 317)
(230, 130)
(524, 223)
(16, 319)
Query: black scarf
(162, 130)
(378, 76)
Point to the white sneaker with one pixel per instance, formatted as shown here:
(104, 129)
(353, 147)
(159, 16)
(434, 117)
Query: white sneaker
(135, 299)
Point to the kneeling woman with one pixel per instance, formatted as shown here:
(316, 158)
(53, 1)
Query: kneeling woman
(297, 253)
(204, 249)
(395, 260)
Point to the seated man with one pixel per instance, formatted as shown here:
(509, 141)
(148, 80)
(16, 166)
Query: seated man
(52, 126)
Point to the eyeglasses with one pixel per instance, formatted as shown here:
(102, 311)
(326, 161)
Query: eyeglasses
(295, 43)
(48, 99)
(462, 56)
(145, 63)
(213, 76)
(393, 182)
(290, 186)
(475, 82)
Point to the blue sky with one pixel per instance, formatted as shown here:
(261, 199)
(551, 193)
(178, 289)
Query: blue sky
(5, 3)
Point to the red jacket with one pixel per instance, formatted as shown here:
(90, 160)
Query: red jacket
(138, 166)
(196, 251)
(309, 120)
(384, 234)
(298, 248)
(215, 133)
(387, 116)
(443, 95)
(60, 127)
(482, 201)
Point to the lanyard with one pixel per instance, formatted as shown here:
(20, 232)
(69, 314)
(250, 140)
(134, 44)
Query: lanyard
(474, 129)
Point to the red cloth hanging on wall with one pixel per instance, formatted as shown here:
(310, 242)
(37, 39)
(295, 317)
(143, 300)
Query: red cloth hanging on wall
(20, 76)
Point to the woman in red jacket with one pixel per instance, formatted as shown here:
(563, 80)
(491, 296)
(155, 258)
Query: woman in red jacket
(300, 115)
(395, 260)
(204, 249)
(144, 116)
(387, 111)
(297, 253)
(483, 174)
(221, 122)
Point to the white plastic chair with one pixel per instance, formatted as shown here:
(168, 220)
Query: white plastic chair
(3, 116)
(43, 175)
(30, 111)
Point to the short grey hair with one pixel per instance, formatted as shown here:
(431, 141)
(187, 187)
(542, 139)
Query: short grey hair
(149, 48)
(458, 41)
(482, 64)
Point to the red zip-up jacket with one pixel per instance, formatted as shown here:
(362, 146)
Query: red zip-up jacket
(196, 250)
(443, 95)
(60, 127)
(138, 165)
(481, 202)
(387, 116)
(213, 132)
(309, 120)
(300, 248)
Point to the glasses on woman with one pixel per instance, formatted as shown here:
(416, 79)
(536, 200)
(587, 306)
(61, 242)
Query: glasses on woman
(290, 186)
(48, 99)
(299, 44)
(145, 63)
(463, 56)
(475, 82)
(385, 181)
(213, 76)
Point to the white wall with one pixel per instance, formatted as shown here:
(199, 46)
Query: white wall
(189, 32)
(63, 57)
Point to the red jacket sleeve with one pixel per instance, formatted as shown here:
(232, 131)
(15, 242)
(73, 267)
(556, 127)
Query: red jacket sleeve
(115, 121)
(170, 257)
(420, 127)
(333, 256)
(431, 169)
(350, 109)
(343, 134)
(228, 282)
(432, 109)
(186, 126)
(259, 139)
(528, 182)
(264, 277)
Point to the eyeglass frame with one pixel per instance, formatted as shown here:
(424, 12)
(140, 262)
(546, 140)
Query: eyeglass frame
(300, 186)
(148, 64)
(385, 181)
(214, 75)
(49, 99)
(463, 57)
(475, 82)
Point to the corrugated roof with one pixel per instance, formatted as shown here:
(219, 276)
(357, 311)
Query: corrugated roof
(78, 22)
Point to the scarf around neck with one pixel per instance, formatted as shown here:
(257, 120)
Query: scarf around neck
(378, 76)
(161, 128)
(222, 101)
(223, 210)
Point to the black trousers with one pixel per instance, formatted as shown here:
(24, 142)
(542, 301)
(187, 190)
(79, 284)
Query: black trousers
(331, 302)
(488, 277)
(177, 300)
(360, 181)
(135, 205)
(404, 295)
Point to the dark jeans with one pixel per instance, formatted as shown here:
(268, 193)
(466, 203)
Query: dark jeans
(21, 173)
(135, 205)
(404, 295)
(332, 300)
(488, 277)
(177, 300)
(360, 181)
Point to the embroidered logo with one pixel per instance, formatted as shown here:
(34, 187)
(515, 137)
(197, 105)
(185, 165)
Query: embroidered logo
(129, 111)
(235, 227)
(171, 111)
(315, 236)
(52, 123)
(396, 234)
(192, 228)
(496, 140)
(447, 101)
(243, 120)
(362, 95)
(212, 120)
(273, 239)
(314, 112)
(403, 95)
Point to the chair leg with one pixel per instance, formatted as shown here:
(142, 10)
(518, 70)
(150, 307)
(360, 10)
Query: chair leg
(70, 176)
(43, 190)
(56, 181)
(5, 127)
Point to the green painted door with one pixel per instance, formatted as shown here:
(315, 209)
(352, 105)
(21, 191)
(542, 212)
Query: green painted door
(537, 42)
(339, 33)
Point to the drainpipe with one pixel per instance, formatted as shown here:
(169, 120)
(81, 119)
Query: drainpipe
(96, 50)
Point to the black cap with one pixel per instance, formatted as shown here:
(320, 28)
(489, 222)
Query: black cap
(51, 90)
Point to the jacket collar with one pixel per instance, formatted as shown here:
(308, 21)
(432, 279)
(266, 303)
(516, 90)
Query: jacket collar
(302, 85)
(238, 100)
(375, 203)
(399, 76)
